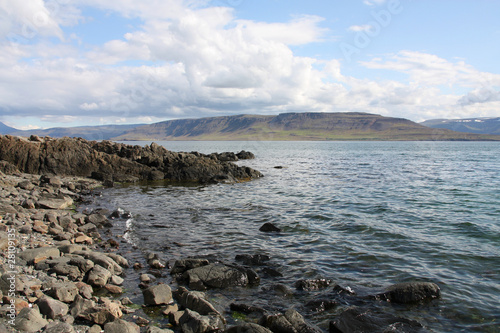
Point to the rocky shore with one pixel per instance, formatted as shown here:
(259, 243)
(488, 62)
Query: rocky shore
(62, 270)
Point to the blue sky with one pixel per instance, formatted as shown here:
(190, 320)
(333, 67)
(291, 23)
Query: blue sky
(90, 62)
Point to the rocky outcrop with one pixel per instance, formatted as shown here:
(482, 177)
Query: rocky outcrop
(119, 162)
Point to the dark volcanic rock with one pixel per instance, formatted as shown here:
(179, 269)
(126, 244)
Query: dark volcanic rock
(119, 162)
(269, 227)
(411, 292)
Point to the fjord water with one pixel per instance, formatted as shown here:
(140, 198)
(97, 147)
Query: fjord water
(364, 214)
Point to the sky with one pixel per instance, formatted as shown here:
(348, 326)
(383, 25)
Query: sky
(95, 62)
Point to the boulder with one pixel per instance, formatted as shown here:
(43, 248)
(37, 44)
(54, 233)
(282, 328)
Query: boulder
(153, 329)
(64, 291)
(269, 227)
(411, 292)
(32, 255)
(30, 320)
(52, 308)
(157, 295)
(195, 301)
(55, 203)
(248, 328)
(99, 276)
(193, 322)
(253, 259)
(362, 320)
(215, 276)
(59, 327)
(180, 266)
(121, 326)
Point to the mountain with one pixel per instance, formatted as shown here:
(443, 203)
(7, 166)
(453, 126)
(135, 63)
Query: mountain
(470, 125)
(104, 132)
(295, 126)
(4, 129)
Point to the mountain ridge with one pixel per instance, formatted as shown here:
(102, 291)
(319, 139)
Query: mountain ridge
(294, 127)
(482, 125)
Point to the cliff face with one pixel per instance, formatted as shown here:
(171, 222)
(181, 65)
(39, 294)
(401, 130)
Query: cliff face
(117, 162)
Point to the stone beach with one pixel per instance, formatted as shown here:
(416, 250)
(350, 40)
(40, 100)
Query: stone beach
(62, 270)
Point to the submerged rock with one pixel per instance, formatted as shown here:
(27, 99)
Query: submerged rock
(215, 276)
(358, 320)
(411, 292)
(269, 227)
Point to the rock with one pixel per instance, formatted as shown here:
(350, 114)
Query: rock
(253, 260)
(215, 276)
(52, 308)
(169, 309)
(193, 322)
(116, 280)
(357, 320)
(320, 305)
(157, 295)
(243, 308)
(102, 260)
(71, 248)
(38, 254)
(99, 276)
(277, 323)
(30, 320)
(309, 285)
(153, 329)
(55, 203)
(195, 301)
(121, 326)
(83, 264)
(81, 306)
(248, 328)
(59, 327)
(245, 155)
(103, 313)
(180, 266)
(72, 272)
(113, 289)
(269, 227)
(84, 290)
(411, 292)
(26, 185)
(298, 322)
(51, 180)
(64, 291)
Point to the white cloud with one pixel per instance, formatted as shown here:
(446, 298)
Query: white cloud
(358, 28)
(203, 61)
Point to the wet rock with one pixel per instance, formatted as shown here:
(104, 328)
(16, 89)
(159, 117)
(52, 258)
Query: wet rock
(193, 322)
(321, 305)
(253, 259)
(121, 326)
(269, 227)
(30, 320)
(52, 308)
(243, 308)
(309, 285)
(157, 295)
(245, 155)
(195, 301)
(248, 328)
(215, 276)
(411, 292)
(277, 324)
(299, 323)
(358, 320)
(183, 265)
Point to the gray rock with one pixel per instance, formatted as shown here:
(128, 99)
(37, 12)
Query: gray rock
(298, 322)
(72, 272)
(121, 326)
(30, 320)
(195, 301)
(81, 306)
(215, 276)
(32, 255)
(64, 291)
(411, 292)
(153, 329)
(309, 285)
(157, 295)
(52, 308)
(83, 264)
(99, 276)
(59, 327)
(248, 328)
(102, 260)
(277, 323)
(55, 203)
(193, 322)
(116, 280)
(118, 259)
(183, 265)
(71, 248)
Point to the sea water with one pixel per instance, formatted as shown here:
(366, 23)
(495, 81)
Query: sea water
(363, 214)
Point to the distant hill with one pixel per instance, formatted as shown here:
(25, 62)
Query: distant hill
(295, 126)
(470, 125)
(104, 132)
(4, 129)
